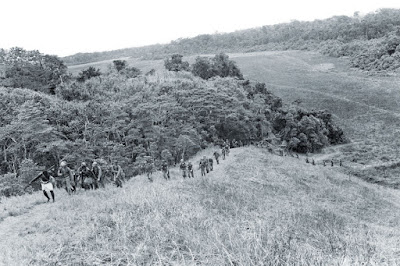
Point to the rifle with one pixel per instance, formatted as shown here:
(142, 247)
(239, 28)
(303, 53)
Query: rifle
(37, 177)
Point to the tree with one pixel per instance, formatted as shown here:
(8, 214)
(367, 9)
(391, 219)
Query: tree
(88, 73)
(120, 64)
(202, 68)
(175, 63)
(32, 70)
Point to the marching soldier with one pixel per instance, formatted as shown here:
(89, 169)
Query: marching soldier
(190, 170)
(183, 168)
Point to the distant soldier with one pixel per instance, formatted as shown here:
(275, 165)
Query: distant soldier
(164, 169)
(117, 174)
(190, 169)
(210, 163)
(183, 168)
(307, 161)
(203, 166)
(223, 151)
(65, 172)
(47, 182)
(148, 168)
(340, 163)
(227, 148)
(313, 162)
(216, 155)
(98, 174)
(297, 156)
(332, 163)
(324, 163)
(86, 176)
(240, 143)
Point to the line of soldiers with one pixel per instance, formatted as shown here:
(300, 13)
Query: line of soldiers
(89, 178)
(206, 165)
(324, 162)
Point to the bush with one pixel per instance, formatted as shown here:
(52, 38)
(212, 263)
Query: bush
(175, 63)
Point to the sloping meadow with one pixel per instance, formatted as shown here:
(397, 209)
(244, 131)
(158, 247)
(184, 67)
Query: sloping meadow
(253, 209)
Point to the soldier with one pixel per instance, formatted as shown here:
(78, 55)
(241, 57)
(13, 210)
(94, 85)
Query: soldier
(307, 161)
(340, 162)
(223, 152)
(86, 176)
(190, 170)
(210, 163)
(149, 168)
(117, 174)
(183, 168)
(324, 163)
(240, 143)
(332, 163)
(216, 155)
(313, 162)
(65, 172)
(203, 166)
(98, 175)
(227, 148)
(164, 168)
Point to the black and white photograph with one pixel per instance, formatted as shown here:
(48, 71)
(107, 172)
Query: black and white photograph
(238, 133)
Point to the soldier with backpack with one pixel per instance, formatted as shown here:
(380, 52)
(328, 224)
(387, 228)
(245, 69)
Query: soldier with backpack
(190, 170)
(216, 155)
(65, 172)
(87, 177)
(117, 174)
(183, 168)
(98, 175)
(210, 163)
(203, 165)
(164, 168)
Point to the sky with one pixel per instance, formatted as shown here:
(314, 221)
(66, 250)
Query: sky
(66, 27)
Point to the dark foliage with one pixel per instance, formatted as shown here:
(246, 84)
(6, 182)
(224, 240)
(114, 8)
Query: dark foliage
(88, 73)
(175, 63)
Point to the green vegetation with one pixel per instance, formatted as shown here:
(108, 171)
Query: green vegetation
(372, 41)
(253, 209)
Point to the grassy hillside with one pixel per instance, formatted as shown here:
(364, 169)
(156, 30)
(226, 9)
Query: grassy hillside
(254, 208)
(365, 105)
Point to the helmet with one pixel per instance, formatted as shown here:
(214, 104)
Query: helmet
(63, 163)
(94, 163)
(83, 164)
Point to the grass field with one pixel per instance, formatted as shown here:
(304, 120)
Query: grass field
(253, 209)
(366, 106)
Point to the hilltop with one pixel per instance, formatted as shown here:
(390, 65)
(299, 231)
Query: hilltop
(371, 42)
(254, 208)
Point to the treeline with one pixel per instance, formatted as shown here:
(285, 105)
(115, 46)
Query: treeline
(371, 41)
(128, 116)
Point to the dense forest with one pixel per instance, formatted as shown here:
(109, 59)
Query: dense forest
(139, 119)
(370, 41)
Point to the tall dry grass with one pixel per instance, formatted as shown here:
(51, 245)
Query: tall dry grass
(253, 209)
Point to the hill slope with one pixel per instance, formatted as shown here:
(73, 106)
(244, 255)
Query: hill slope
(254, 208)
(318, 82)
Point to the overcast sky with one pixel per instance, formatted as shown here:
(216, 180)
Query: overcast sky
(65, 27)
